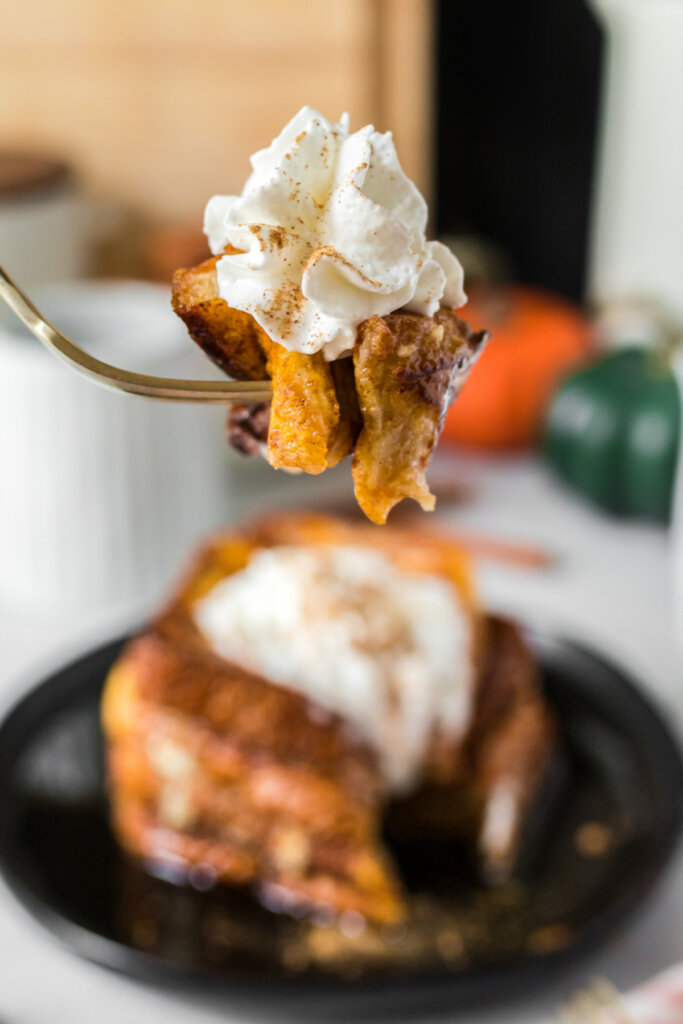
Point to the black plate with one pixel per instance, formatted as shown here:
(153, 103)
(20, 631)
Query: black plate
(593, 853)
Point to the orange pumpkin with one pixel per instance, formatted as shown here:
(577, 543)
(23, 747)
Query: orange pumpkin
(535, 339)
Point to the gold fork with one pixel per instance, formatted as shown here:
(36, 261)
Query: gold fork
(165, 388)
(600, 1003)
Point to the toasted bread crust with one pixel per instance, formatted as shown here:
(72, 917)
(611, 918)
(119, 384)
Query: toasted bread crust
(387, 404)
(304, 412)
(229, 337)
(407, 368)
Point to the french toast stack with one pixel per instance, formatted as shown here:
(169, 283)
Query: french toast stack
(227, 776)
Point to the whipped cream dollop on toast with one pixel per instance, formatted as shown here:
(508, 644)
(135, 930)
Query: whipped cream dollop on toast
(323, 280)
(330, 231)
(390, 651)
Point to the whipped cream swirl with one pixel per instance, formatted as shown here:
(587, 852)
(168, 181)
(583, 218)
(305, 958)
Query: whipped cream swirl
(390, 651)
(330, 231)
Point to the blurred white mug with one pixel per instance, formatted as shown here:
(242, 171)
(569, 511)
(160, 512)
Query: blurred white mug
(101, 493)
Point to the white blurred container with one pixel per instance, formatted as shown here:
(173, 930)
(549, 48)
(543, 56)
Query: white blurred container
(102, 493)
(637, 245)
(676, 536)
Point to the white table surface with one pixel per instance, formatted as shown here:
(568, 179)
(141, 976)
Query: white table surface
(609, 587)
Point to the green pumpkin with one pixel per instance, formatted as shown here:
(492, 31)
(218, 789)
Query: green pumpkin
(613, 430)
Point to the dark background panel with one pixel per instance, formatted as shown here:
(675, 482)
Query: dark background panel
(517, 106)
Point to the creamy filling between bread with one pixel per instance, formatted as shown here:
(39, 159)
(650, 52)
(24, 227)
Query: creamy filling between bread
(388, 650)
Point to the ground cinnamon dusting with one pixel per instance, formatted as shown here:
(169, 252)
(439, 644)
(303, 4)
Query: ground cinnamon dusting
(278, 236)
(288, 299)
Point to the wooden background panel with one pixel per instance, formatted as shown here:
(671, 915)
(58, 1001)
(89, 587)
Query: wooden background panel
(406, 84)
(161, 104)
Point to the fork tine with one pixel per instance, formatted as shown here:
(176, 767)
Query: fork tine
(165, 388)
(593, 1006)
(612, 1000)
(600, 1003)
(572, 1014)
